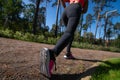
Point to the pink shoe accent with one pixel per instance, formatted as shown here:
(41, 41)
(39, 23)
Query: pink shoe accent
(51, 64)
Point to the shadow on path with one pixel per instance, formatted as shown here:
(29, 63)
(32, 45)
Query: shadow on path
(73, 76)
(76, 76)
(88, 60)
(87, 73)
(65, 76)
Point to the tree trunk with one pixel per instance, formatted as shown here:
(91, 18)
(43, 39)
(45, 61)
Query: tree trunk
(105, 27)
(6, 21)
(36, 16)
(57, 12)
(81, 24)
(97, 24)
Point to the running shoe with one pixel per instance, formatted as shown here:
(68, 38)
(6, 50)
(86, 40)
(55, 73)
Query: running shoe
(69, 56)
(46, 65)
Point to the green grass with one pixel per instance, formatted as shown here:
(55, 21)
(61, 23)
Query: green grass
(108, 70)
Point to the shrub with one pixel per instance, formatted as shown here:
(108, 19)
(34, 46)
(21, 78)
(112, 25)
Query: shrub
(51, 40)
(6, 33)
(18, 35)
(28, 37)
(113, 49)
(40, 38)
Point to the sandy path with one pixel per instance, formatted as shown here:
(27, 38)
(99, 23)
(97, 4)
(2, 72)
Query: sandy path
(19, 60)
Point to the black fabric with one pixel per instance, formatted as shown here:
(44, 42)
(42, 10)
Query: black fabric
(70, 19)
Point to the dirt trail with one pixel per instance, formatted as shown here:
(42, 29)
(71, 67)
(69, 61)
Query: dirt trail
(19, 60)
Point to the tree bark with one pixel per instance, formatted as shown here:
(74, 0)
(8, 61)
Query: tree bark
(97, 24)
(36, 16)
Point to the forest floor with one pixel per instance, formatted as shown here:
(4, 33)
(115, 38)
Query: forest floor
(19, 60)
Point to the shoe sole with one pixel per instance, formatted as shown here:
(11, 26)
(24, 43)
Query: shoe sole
(44, 62)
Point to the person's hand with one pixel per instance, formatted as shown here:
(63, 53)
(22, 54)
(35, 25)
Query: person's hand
(63, 3)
